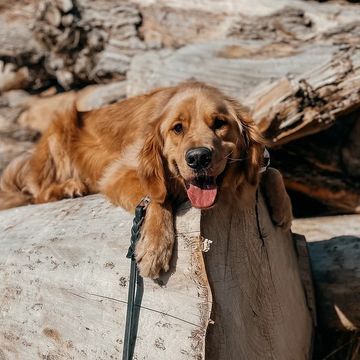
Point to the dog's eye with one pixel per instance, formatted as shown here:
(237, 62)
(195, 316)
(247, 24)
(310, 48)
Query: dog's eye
(219, 123)
(178, 129)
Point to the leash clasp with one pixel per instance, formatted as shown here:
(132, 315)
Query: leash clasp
(144, 202)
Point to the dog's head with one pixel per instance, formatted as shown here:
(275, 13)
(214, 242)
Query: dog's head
(204, 141)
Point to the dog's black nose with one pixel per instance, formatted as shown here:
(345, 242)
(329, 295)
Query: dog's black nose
(198, 158)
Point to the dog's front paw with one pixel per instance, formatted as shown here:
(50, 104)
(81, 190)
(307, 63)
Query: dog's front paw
(277, 199)
(154, 250)
(151, 260)
(74, 188)
(282, 217)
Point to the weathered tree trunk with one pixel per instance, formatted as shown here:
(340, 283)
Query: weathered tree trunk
(258, 295)
(64, 280)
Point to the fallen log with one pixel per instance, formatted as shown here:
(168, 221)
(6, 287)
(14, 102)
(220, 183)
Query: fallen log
(307, 97)
(64, 280)
(334, 247)
(251, 271)
(64, 276)
(292, 108)
(236, 66)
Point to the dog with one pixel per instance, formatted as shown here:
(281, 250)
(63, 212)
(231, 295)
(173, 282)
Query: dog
(177, 143)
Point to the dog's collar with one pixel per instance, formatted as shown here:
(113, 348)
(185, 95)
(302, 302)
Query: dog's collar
(266, 161)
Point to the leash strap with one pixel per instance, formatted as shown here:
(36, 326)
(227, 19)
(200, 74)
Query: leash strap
(135, 281)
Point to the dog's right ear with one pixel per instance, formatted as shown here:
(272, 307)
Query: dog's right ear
(253, 147)
(151, 167)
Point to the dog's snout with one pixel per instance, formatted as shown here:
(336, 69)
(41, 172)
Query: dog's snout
(198, 158)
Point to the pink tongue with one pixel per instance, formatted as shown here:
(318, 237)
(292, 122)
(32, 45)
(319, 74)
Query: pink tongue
(201, 198)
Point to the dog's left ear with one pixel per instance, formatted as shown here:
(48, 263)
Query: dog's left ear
(254, 144)
(151, 167)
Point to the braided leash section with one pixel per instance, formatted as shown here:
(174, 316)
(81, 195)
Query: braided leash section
(140, 211)
(135, 282)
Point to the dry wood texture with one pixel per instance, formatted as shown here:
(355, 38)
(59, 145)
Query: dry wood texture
(64, 281)
(295, 107)
(257, 291)
(334, 246)
(64, 286)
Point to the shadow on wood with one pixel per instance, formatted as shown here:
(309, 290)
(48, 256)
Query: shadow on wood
(334, 247)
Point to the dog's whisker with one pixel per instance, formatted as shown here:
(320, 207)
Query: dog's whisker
(228, 155)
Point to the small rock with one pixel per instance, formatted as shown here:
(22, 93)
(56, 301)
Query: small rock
(64, 5)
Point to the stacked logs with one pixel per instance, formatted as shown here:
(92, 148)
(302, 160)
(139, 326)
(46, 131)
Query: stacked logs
(296, 67)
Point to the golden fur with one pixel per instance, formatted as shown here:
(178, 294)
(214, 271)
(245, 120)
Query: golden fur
(130, 149)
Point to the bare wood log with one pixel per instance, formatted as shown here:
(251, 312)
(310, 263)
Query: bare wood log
(87, 41)
(96, 96)
(64, 287)
(334, 245)
(294, 108)
(73, 42)
(172, 26)
(14, 139)
(92, 41)
(250, 274)
(16, 19)
(325, 16)
(306, 101)
(10, 148)
(11, 79)
(227, 64)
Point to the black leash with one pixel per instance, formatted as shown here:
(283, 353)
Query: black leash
(135, 283)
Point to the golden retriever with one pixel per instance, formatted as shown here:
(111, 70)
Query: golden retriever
(172, 144)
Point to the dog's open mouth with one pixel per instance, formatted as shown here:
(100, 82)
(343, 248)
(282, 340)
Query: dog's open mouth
(202, 191)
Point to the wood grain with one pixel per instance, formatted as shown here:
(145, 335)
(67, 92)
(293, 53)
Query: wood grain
(257, 291)
(64, 279)
(64, 286)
